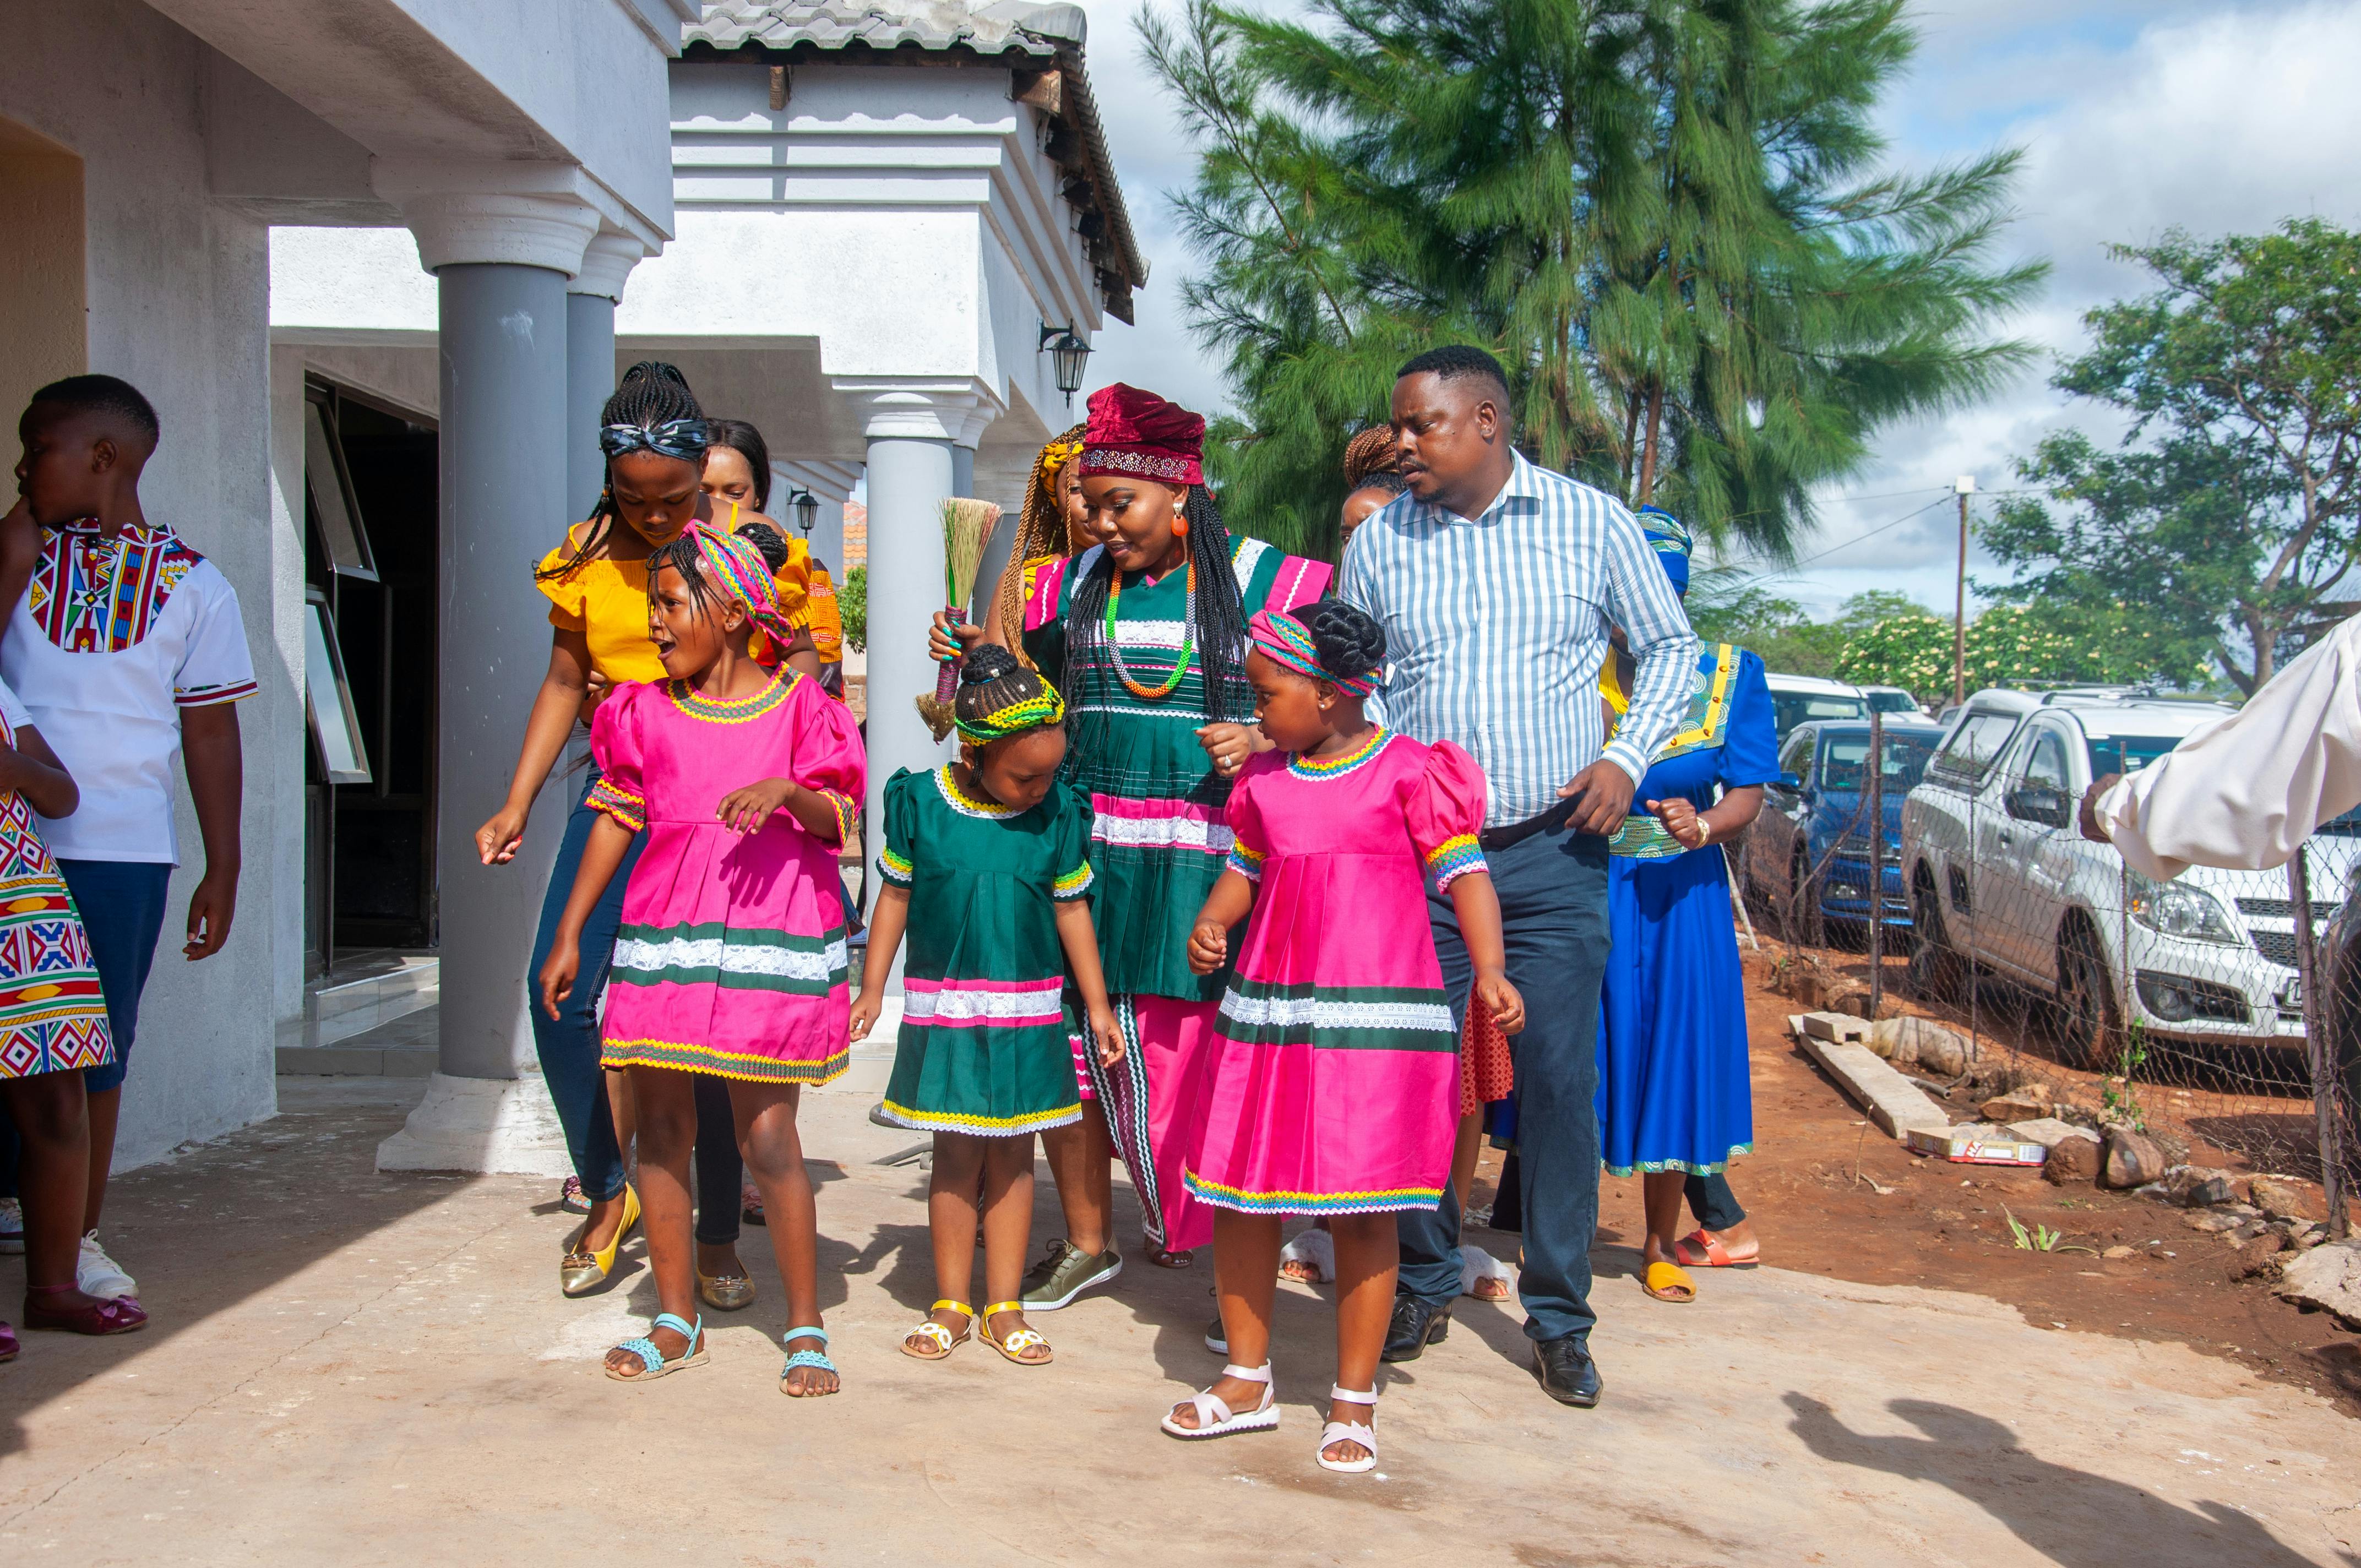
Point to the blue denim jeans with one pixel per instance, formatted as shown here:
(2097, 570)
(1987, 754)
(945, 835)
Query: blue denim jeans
(1711, 1200)
(568, 1045)
(1553, 890)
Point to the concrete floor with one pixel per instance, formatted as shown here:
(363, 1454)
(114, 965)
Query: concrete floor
(362, 1370)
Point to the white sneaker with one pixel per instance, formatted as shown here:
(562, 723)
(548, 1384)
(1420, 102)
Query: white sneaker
(95, 1274)
(12, 1226)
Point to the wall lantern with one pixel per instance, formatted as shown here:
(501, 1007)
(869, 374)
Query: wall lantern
(807, 507)
(1067, 355)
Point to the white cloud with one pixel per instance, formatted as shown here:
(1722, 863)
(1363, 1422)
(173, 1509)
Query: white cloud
(2137, 115)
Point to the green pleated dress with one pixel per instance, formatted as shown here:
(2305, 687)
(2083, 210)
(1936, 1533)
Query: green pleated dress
(983, 1047)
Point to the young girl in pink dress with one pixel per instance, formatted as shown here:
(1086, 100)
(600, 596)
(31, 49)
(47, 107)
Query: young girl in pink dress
(731, 958)
(1336, 1088)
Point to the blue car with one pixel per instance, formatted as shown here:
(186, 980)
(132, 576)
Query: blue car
(1808, 854)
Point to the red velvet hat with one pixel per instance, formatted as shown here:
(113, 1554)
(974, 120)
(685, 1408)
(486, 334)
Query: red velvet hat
(1132, 432)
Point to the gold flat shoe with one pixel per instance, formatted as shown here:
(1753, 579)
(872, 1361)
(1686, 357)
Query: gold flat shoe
(580, 1272)
(725, 1292)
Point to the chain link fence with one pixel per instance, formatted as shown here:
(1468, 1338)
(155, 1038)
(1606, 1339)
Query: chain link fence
(2219, 1013)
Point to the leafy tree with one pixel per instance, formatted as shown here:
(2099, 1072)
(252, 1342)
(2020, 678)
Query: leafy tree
(2014, 645)
(2230, 512)
(1667, 217)
(852, 607)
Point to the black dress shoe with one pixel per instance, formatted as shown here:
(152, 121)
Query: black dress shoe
(1415, 1326)
(1566, 1371)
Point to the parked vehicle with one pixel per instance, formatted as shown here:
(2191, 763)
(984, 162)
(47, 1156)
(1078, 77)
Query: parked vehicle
(2001, 878)
(1797, 699)
(1809, 853)
(1892, 700)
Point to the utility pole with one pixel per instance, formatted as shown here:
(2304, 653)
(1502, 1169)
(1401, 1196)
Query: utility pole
(1964, 485)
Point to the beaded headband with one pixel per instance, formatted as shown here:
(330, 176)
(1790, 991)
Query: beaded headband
(683, 438)
(1035, 712)
(731, 563)
(1287, 640)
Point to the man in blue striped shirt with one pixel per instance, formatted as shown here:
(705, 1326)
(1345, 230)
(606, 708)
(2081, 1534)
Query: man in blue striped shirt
(1497, 582)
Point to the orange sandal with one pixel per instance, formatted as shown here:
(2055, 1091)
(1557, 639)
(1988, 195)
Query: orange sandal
(1702, 1249)
(1666, 1282)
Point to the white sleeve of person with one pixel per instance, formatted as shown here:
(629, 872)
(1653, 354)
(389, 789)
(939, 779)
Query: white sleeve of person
(2241, 794)
(214, 665)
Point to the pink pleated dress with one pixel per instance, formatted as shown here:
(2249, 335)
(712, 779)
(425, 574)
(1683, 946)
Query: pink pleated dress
(731, 958)
(1335, 1087)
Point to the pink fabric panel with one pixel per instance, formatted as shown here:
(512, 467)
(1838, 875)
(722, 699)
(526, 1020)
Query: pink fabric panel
(1448, 802)
(1177, 1040)
(1048, 587)
(1299, 1119)
(1298, 582)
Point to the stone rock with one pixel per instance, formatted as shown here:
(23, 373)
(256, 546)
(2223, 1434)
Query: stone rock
(2205, 1220)
(2281, 1199)
(2047, 1131)
(2197, 1186)
(2018, 1105)
(2072, 1162)
(2328, 1277)
(1913, 1041)
(2132, 1160)
(2119, 1253)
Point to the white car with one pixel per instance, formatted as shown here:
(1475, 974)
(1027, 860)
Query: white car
(1893, 701)
(1794, 699)
(2001, 876)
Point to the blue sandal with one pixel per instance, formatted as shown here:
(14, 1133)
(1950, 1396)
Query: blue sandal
(652, 1361)
(805, 1358)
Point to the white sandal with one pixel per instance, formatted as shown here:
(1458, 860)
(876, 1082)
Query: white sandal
(1361, 1433)
(1214, 1418)
(1316, 1250)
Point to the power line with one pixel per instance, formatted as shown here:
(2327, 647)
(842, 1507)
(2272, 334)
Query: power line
(1847, 543)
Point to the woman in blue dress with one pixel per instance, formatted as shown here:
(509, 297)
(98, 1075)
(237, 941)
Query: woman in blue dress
(1675, 1104)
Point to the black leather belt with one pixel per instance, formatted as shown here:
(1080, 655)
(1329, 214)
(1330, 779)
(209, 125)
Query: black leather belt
(1515, 833)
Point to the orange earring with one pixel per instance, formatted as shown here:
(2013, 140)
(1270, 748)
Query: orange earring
(1179, 528)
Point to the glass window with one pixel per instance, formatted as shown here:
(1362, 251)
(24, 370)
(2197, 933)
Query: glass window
(1797, 757)
(1892, 702)
(2127, 753)
(1790, 709)
(1904, 763)
(1975, 742)
(2047, 767)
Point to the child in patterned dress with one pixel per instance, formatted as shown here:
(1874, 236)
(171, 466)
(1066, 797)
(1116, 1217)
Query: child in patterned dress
(53, 1027)
(731, 958)
(987, 867)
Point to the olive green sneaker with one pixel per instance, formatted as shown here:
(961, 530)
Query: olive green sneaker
(1064, 1272)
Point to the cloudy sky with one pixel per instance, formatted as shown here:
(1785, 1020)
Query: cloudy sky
(2135, 115)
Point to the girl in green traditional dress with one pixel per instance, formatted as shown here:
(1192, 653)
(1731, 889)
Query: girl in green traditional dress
(994, 854)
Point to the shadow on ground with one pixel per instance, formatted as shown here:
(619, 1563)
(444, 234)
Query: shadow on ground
(2071, 1518)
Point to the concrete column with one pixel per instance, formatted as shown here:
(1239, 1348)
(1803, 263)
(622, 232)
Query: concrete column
(910, 478)
(962, 471)
(504, 486)
(590, 368)
(505, 490)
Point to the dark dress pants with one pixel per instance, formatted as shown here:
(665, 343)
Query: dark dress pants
(1553, 890)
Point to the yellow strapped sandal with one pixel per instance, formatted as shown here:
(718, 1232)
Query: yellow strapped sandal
(1015, 1346)
(934, 1334)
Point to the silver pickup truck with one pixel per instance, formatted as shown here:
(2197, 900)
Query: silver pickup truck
(1999, 877)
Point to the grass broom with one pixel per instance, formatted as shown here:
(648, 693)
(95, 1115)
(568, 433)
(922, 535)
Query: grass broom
(967, 528)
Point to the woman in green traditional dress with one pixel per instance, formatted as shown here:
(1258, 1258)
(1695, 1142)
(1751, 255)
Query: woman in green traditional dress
(1145, 634)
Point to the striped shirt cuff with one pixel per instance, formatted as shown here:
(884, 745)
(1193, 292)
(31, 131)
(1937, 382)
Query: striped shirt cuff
(848, 817)
(1455, 858)
(1629, 758)
(1247, 862)
(625, 808)
(1074, 883)
(893, 868)
(209, 696)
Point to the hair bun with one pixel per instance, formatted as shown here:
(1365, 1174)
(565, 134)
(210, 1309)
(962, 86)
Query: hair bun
(769, 540)
(987, 663)
(1348, 642)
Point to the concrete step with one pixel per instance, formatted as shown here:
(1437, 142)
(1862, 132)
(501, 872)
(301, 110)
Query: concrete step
(341, 1009)
(403, 1048)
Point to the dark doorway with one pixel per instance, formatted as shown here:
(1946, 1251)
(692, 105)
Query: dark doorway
(370, 560)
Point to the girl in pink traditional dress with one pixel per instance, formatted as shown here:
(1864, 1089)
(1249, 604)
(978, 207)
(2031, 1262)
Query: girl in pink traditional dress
(1335, 1091)
(731, 958)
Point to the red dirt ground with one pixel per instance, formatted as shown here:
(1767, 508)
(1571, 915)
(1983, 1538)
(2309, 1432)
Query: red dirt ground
(1808, 1191)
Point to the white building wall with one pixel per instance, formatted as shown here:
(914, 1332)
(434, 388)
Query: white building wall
(177, 290)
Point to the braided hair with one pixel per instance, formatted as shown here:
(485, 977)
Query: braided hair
(1000, 699)
(1041, 530)
(1220, 631)
(651, 392)
(1370, 453)
(1348, 640)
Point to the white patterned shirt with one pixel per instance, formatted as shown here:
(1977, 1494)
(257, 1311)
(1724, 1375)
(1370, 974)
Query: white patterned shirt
(1496, 627)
